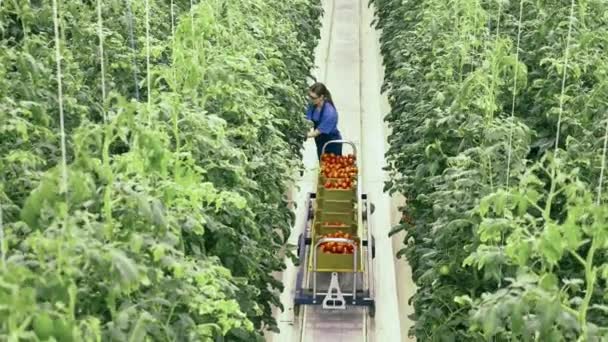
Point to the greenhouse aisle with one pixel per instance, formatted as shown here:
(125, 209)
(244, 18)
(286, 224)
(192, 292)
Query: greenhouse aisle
(349, 63)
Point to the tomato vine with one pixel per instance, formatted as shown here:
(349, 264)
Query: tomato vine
(180, 131)
(504, 237)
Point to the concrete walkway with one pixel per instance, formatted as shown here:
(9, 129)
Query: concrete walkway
(349, 63)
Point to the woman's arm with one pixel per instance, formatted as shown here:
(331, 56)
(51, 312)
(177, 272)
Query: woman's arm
(329, 121)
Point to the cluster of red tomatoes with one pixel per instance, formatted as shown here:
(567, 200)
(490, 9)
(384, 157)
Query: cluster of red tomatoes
(341, 171)
(337, 247)
(340, 184)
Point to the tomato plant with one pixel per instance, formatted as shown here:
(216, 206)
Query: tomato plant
(178, 139)
(497, 140)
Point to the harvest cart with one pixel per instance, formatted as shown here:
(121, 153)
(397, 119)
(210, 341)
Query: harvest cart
(336, 281)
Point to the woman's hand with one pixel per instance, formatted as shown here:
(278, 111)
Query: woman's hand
(313, 133)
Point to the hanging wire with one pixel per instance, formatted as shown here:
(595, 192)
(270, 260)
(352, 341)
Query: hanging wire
(489, 17)
(133, 48)
(172, 20)
(510, 150)
(561, 98)
(101, 60)
(498, 18)
(2, 251)
(192, 15)
(148, 58)
(492, 115)
(194, 42)
(601, 180)
(174, 72)
(2, 241)
(64, 168)
(492, 89)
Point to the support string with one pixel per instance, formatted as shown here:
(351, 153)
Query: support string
(601, 180)
(498, 18)
(148, 58)
(510, 150)
(133, 48)
(561, 99)
(172, 20)
(2, 241)
(64, 167)
(192, 14)
(101, 60)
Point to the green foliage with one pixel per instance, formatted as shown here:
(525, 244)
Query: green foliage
(175, 218)
(499, 223)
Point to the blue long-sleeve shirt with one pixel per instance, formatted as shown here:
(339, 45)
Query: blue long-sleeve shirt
(325, 120)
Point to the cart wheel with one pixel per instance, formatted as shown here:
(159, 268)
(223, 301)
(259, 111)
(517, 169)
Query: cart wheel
(311, 212)
(371, 310)
(299, 244)
(372, 208)
(296, 310)
(373, 247)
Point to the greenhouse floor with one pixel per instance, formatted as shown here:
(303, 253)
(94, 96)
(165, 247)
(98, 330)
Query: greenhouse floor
(349, 63)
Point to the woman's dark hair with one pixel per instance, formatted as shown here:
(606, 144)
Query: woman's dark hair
(321, 90)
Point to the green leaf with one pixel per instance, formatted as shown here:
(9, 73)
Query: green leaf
(127, 269)
(551, 244)
(549, 282)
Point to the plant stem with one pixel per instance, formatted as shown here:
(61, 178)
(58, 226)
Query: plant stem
(2, 240)
(547, 211)
(590, 279)
(107, 170)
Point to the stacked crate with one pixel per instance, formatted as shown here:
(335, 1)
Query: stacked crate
(336, 210)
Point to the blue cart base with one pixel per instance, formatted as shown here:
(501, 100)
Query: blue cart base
(304, 293)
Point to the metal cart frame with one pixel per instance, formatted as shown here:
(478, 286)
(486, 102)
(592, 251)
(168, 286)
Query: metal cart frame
(362, 293)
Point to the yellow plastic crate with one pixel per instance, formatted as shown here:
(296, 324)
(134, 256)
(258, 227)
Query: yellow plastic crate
(321, 227)
(328, 262)
(337, 194)
(335, 206)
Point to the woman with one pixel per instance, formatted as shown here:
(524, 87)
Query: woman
(322, 112)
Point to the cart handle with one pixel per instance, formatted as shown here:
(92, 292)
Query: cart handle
(314, 257)
(341, 141)
(343, 240)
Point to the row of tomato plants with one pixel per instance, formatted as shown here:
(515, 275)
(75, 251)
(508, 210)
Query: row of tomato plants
(169, 216)
(498, 120)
